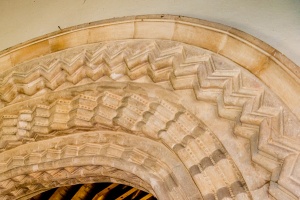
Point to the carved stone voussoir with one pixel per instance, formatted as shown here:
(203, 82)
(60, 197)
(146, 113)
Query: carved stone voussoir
(168, 111)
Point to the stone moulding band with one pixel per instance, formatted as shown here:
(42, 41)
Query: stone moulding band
(103, 148)
(254, 55)
(45, 180)
(106, 75)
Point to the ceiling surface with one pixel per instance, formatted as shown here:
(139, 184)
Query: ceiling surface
(95, 191)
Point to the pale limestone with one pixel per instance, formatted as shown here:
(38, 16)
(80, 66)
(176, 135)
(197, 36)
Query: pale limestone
(182, 122)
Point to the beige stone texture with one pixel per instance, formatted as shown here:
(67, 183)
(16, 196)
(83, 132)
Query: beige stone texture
(68, 40)
(183, 108)
(114, 31)
(29, 52)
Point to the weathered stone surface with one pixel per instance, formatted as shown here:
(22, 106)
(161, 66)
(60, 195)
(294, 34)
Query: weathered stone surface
(180, 121)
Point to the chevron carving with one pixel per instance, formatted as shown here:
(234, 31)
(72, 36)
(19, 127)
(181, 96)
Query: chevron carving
(257, 114)
(157, 119)
(160, 62)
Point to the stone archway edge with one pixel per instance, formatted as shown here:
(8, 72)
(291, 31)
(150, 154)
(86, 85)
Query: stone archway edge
(269, 65)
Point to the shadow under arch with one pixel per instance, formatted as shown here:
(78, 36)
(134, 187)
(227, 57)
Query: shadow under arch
(123, 156)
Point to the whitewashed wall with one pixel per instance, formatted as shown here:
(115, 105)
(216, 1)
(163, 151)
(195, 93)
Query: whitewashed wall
(277, 22)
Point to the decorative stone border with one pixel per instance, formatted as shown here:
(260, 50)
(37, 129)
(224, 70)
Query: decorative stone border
(269, 65)
(259, 119)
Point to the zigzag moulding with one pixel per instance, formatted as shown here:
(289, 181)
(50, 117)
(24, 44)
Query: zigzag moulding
(188, 108)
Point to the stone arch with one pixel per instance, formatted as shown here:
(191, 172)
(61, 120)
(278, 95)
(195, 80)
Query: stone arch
(148, 75)
(60, 158)
(208, 163)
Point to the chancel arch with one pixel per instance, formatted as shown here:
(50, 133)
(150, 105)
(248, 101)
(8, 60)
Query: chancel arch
(183, 108)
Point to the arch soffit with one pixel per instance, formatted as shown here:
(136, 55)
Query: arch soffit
(257, 52)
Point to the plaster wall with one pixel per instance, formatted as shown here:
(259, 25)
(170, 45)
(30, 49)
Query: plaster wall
(276, 22)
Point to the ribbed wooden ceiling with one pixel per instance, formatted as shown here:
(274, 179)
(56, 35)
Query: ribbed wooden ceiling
(95, 191)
